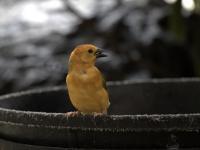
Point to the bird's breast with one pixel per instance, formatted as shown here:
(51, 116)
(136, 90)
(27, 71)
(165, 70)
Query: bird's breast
(85, 80)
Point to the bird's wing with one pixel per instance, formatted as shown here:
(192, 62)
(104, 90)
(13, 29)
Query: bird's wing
(103, 81)
(105, 87)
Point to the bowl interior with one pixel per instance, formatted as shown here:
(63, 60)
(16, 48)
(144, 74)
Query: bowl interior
(126, 98)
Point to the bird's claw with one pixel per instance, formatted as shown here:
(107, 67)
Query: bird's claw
(99, 114)
(72, 114)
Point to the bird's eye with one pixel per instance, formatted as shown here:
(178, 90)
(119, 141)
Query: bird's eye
(90, 51)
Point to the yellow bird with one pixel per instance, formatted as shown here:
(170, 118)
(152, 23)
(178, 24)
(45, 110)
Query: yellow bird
(85, 83)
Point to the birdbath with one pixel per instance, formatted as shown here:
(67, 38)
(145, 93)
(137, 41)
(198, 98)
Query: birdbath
(157, 114)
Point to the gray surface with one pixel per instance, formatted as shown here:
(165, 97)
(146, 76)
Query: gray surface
(154, 113)
(8, 145)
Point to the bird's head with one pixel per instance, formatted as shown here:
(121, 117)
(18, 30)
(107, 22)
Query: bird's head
(86, 54)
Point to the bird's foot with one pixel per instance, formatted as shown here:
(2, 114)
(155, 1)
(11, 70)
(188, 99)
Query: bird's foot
(98, 114)
(73, 113)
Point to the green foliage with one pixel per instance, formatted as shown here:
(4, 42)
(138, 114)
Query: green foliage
(176, 22)
(197, 6)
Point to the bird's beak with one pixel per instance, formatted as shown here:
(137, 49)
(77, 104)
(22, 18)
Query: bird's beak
(99, 53)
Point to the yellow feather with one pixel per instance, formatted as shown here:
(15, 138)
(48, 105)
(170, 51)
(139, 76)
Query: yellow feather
(85, 84)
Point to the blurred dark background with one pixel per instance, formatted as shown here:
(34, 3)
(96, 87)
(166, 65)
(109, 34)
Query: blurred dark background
(144, 39)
